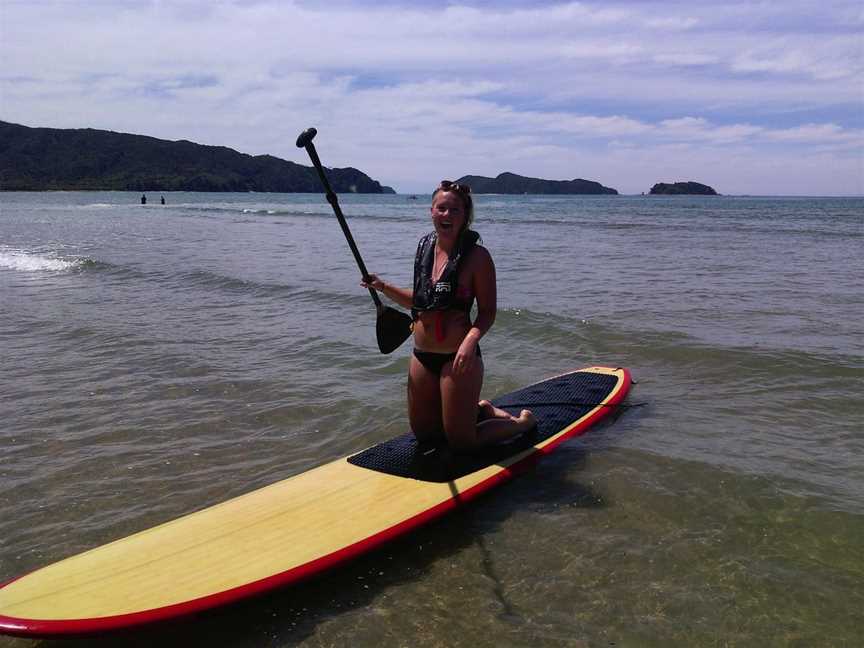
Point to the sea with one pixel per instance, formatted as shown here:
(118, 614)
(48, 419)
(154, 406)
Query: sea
(157, 359)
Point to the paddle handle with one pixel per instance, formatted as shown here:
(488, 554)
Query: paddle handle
(305, 141)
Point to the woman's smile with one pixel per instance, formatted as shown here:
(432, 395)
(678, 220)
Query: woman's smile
(448, 213)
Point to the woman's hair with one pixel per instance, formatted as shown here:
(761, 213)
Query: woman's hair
(464, 193)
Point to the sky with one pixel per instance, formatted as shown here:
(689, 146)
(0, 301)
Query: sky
(755, 97)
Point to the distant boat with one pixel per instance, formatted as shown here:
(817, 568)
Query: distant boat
(412, 197)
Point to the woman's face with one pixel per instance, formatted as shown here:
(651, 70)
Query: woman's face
(448, 215)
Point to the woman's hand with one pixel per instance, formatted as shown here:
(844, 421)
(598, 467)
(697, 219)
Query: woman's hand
(394, 293)
(373, 281)
(466, 356)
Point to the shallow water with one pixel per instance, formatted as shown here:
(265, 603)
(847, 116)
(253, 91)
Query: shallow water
(160, 359)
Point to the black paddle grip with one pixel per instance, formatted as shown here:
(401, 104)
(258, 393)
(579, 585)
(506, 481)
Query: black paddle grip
(306, 137)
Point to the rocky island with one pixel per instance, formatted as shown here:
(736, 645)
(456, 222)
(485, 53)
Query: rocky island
(689, 188)
(40, 159)
(510, 183)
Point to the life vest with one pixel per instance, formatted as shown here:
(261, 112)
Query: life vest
(440, 295)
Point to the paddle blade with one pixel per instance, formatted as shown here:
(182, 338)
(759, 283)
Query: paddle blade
(392, 328)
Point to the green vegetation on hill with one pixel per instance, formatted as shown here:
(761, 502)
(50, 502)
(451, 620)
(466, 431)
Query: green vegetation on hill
(683, 188)
(38, 159)
(510, 183)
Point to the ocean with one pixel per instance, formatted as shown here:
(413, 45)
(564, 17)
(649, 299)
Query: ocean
(159, 359)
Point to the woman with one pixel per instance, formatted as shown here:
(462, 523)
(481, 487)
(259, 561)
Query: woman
(451, 271)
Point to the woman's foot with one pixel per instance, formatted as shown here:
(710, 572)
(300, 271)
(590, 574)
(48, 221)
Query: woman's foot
(485, 410)
(527, 420)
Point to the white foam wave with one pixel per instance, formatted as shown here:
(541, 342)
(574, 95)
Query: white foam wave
(32, 262)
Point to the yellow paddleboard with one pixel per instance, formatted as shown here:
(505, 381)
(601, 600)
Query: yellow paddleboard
(295, 528)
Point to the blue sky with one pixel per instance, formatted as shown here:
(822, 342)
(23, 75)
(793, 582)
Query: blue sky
(749, 97)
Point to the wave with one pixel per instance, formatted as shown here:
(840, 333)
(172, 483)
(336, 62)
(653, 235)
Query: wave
(193, 279)
(596, 339)
(262, 211)
(30, 261)
(658, 224)
(100, 206)
(247, 214)
(213, 280)
(270, 210)
(34, 262)
(201, 280)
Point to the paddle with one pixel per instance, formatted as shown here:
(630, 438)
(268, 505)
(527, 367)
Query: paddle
(392, 327)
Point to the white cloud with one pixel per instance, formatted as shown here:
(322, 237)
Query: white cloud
(824, 135)
(698, 129)
(672, 23)
(809, 57)
(405, 92)
(598, 49)
(685, 58)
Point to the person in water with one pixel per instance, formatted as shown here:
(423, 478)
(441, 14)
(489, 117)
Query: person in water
(451, 271)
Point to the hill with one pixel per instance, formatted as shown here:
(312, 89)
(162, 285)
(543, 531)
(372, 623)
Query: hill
(38, 159)
(683, 188)
(510, 183)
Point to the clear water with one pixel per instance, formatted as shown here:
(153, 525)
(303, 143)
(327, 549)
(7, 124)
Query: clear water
(156, 360)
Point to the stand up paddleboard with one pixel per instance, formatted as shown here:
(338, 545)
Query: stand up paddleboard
(294, 528)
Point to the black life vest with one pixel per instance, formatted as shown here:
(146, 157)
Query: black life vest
(440, 295)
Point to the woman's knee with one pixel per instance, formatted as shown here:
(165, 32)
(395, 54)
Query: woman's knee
(425, 421)
(461, 435)
(459, 400)
(424, 403)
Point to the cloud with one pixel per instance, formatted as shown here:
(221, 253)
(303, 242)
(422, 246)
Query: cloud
(825, 137)
(672, 23)
(685, 58)
(412, 91)
(695, 129)
(804, 57)
(616, 53)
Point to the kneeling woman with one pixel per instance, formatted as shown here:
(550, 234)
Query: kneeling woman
(446, 373)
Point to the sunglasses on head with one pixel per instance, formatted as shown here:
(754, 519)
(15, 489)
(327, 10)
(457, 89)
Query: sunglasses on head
(447, 185)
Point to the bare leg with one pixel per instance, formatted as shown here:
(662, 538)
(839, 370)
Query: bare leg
(460, 408)
(486, 411)
(494, 430)
(424, 403)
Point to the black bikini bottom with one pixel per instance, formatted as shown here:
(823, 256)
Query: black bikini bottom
(434, 362)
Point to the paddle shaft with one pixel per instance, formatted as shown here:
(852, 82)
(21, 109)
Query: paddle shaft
(334, 203)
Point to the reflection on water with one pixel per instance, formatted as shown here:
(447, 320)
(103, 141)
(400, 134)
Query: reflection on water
(156, 361)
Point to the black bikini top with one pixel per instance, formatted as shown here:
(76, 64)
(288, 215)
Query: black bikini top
(440, 295)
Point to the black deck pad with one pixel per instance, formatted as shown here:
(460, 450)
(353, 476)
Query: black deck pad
(556, 403)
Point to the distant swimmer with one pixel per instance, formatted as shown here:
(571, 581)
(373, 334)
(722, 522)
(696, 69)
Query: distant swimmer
(163, 200)
(143, 199)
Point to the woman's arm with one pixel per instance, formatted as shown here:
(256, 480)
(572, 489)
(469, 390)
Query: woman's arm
(486, 293)
(401, 296)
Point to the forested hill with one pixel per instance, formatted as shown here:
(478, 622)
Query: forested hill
(683, 188)
(510, 183)
(38, 159)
